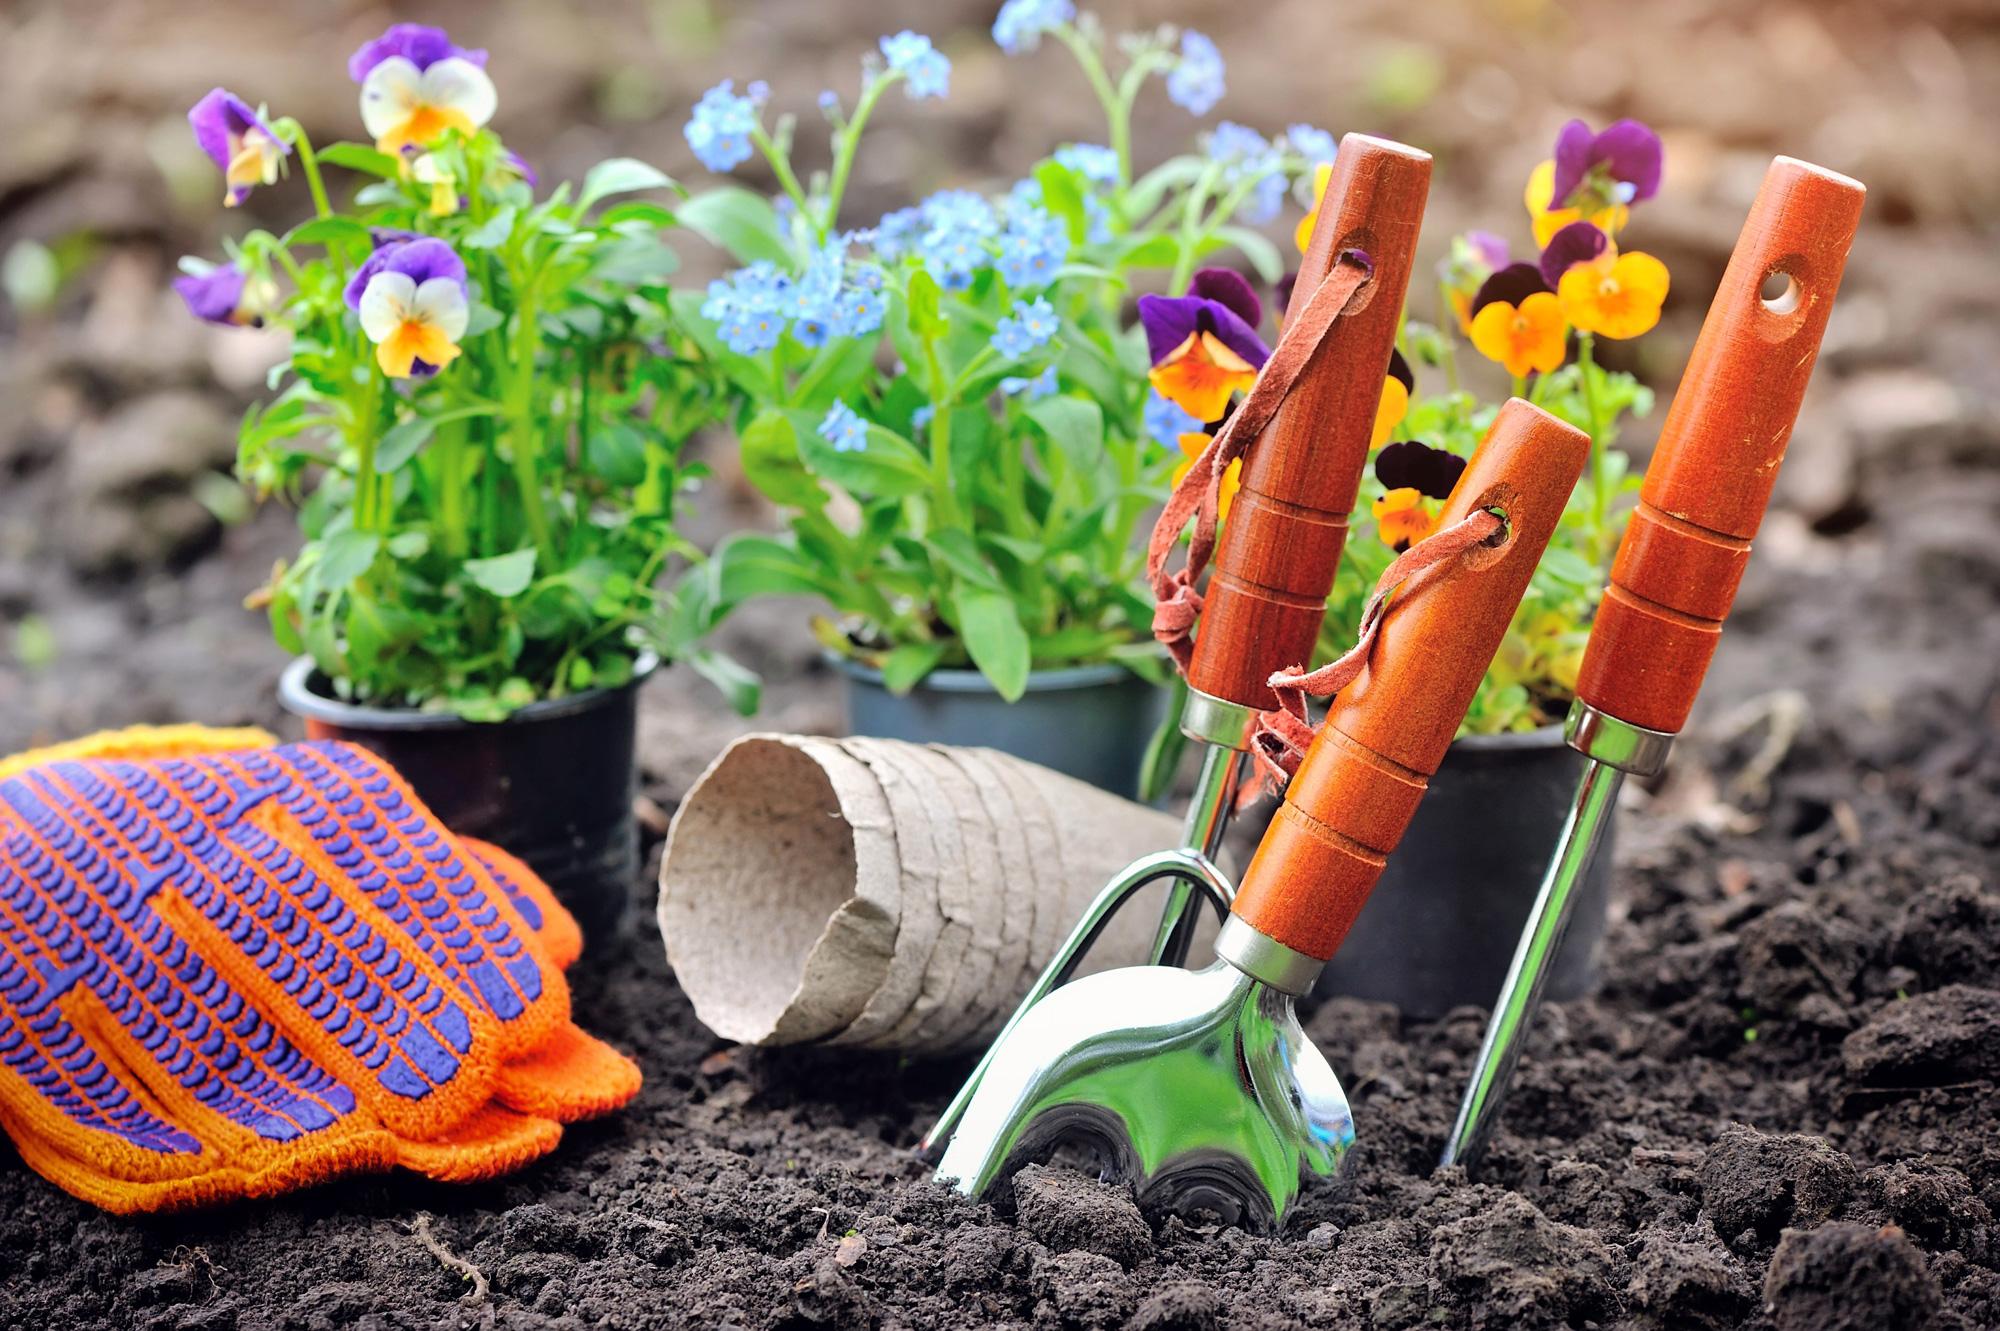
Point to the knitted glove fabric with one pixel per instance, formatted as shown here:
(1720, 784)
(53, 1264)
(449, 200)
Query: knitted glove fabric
(228, 974)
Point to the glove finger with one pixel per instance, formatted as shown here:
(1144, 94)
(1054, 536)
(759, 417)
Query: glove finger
(556, 930)
(572, 1075)
(268, 989)
(492, 1140)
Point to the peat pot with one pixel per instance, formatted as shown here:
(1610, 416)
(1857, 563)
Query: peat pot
(1090, 722)
(553, 783)
(1441, 925)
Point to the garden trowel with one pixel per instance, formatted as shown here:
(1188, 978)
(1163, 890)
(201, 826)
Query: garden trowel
(1680, 560)
(1198, 1088)
(1281, 546)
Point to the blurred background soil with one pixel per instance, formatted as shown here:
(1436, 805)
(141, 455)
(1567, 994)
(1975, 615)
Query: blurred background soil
(1830, 829)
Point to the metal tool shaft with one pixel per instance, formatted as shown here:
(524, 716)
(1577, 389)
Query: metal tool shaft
(1541, 939)
(1208, 813)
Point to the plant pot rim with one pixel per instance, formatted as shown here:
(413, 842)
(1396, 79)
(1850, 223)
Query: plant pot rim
(297, 694)
(1513, 741)
(956, 679)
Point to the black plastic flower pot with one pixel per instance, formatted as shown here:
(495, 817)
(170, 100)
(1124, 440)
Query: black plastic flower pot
(1090, 722)
(1441, 925)
(553, 783)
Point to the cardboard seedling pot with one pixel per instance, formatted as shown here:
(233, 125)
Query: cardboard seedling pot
(882, 894)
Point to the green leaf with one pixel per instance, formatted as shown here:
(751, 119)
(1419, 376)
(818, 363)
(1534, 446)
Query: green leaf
(743, 223)
(1074, 425)
(994, 639)
(361, 157)
(1063, 196)
(926, 321)
(493, 232)
(737, 683)
(503, 575)
(343, 557)
(747, 566)
(401, 442)
(1154, 251)
(325, 231)
(641, 212)
(619, 175)
(770, 454)
(1163, 750)
(1257, 248)
(407, 545)
(905, 667)
(483, 319)
(887, 466)
(959, 552)
(617, 452)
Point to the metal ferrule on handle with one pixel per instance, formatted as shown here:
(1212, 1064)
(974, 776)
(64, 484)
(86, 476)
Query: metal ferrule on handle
(1678, 566)
(1387, 731)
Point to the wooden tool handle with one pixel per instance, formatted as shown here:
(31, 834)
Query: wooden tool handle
(1386, 733)
(1282, 542)
(1677, 569)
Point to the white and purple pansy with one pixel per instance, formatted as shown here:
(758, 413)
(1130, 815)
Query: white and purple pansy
(239, 141)
(215, 294)
(1623, 160)
(416, 85)
(414, 306)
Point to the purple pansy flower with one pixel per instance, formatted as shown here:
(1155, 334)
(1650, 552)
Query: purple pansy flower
(1579, 242)
(236, 138)
(1218, 301)
(1489, 249)
(1628, 151)
(417, 43)
(414, 307)
(215, 296)
(513, 161)
(1512, 284)
(386, 240)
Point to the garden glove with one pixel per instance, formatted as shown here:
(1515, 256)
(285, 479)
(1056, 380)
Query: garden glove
(230, 968)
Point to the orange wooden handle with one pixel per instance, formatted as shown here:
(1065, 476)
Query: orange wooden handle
(1386, 733)
(1282, 543)
(1677, 569)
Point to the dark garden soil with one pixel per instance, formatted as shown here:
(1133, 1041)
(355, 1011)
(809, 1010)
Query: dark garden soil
(1781, 1111)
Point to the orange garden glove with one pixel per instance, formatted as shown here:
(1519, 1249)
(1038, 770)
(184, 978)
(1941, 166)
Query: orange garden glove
(229, 968)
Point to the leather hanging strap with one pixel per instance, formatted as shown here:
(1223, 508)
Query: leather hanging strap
(1199, 495)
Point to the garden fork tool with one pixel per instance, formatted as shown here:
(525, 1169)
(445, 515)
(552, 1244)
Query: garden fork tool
(1311, 415)
(1678, 566)
(1199, 1088)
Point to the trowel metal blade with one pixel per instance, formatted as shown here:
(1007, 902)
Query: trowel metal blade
(1197, 1089)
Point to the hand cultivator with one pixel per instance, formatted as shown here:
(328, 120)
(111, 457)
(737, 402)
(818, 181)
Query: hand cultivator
(1199, 1087)
(1312, 416)
(1679, 564)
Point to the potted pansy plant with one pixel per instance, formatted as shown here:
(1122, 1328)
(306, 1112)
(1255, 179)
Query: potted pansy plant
(1441, 934)
(480, 417)
(951, 406)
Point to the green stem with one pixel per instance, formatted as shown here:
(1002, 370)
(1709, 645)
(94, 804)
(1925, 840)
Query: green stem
(309, 160)
(1189, 236)
(940, 432)
(782, 168)
(521, 426)
(850, 139)
(1107, 96)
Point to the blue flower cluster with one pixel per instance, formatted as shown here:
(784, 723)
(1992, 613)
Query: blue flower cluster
(1032, 247)
(1032, 387)
(1027, 194)
(832, 298)
(951, 232)
(1167, 420)
(1093, 161)
(1022, 22)
(1196, 80)
(1247, 157)
(1312, 143)
(720, 131)
(925, 71)
(1027, 329)
(845, 430)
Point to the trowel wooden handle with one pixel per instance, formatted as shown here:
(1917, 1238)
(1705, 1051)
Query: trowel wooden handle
(1283, 539)
(1386, 733)
(1677, 569)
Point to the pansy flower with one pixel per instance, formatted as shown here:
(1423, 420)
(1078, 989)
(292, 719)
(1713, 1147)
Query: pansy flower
(426, 169)
(416, 85)
(1620, 165)
(1617, 298)
(1204, 345)
(216, 295)
(1191, 445)
(236, 138)
(1394, 404)
(1517, 321)
(414, 307)
(1322, 176)
(1540, 198)
(1414, 477)
(1579, 242)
